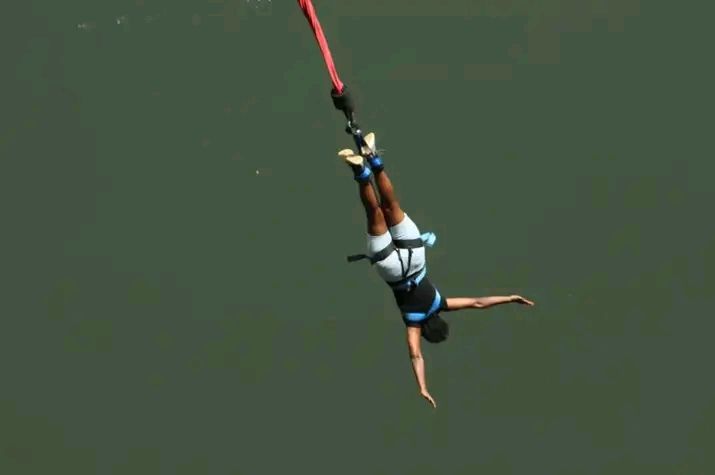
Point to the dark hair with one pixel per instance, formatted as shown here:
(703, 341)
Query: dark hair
(434, 329)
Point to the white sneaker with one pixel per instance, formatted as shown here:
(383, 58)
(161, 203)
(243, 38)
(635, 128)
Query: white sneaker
(370, 141)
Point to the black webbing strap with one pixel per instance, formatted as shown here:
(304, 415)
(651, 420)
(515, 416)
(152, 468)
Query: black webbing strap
(409, 243)
(357, 257)
(387, 250)
(377, 257)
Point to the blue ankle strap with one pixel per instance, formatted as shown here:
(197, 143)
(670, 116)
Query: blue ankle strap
(375, 162)
(364, 175)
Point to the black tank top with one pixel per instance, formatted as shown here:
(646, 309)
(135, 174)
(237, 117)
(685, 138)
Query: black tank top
(419, 299)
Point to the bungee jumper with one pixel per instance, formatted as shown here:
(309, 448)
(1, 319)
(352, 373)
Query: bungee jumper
(395, 245)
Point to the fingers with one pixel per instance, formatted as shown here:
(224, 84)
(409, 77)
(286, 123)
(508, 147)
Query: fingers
(524, 301)
(430, 399)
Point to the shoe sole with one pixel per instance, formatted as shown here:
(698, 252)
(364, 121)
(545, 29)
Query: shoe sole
(350, 158)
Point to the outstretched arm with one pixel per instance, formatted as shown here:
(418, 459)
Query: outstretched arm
(460, 303)
(418, 364)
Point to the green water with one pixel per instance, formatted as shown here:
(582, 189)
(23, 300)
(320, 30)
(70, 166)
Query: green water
(175, 225)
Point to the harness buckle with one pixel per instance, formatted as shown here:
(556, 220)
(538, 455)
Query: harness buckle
(352, 128)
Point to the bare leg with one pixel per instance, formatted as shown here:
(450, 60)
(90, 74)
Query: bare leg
(390, 205)
(376, 225)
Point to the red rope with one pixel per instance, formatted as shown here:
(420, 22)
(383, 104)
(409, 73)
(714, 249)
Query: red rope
(310, 15)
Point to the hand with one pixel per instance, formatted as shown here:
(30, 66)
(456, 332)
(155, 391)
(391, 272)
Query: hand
(428, 397)
(521, 300)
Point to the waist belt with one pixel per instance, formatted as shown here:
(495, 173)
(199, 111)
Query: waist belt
(409, 282)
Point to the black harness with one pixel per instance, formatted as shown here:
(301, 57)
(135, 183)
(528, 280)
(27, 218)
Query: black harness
(407, 281)
(384, 253)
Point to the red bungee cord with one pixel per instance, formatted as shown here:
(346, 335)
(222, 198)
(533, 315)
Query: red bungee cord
(340, 94)
(312, 17)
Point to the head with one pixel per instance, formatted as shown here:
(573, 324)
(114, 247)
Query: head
(434, 329)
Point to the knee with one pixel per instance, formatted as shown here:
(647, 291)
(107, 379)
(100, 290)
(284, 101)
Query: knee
(390, 208)
(374, 207)
(376, 213)
(393, 213)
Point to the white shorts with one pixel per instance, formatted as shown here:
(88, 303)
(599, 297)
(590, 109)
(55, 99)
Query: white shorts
(390, 268)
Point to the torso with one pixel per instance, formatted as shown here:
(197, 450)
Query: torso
(419, 299)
